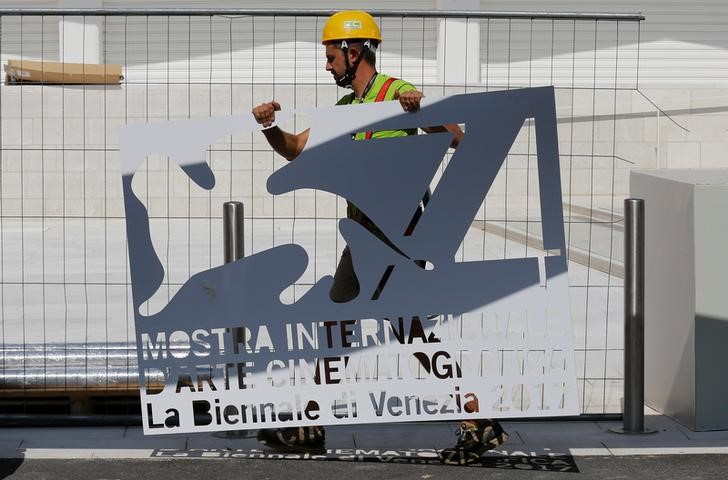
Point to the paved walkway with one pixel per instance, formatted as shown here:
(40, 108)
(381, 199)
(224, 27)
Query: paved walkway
(409, 443)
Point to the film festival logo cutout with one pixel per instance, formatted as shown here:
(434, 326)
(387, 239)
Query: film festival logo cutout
(225, 353)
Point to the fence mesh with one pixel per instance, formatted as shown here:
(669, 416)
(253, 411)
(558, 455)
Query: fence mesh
(65, 317)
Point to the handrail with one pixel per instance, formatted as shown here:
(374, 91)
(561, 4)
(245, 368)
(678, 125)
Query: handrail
(284, 12)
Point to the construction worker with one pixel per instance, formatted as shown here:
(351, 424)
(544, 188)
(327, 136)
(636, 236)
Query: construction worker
(351, 39)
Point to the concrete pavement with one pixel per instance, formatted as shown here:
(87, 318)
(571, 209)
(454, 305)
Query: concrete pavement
(394, 443)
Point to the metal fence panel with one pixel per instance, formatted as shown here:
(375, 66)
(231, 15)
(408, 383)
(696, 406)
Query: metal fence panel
(65, 321)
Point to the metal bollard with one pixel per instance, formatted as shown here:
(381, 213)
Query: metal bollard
(232, 226)
(634, 318)
(234, 244)
(234, 249)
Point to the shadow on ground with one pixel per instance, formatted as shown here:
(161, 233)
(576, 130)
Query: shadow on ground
(536, 461)
(8, 466)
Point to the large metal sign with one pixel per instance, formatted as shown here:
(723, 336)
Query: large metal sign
(416, 343)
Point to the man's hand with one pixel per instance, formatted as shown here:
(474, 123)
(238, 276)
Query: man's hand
(409, 100)
(286, 144)
(265, 113)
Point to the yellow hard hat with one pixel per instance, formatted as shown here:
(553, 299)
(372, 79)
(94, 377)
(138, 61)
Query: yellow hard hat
(350, 24)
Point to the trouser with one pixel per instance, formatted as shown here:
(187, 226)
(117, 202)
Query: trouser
(346, 288)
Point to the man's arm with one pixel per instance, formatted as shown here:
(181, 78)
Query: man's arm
(410, 101)
(453, 128)
(288, 145)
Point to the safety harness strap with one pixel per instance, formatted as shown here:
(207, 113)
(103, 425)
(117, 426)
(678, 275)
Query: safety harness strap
(380, 96)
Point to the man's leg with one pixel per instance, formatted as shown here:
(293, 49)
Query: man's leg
(344, 289)
(475, 437)
(346, 286)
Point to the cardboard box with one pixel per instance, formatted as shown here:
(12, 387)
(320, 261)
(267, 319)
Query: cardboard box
(56, 73)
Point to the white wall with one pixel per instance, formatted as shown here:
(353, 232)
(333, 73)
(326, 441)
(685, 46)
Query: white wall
(60, 179)
(683, 44)
(670, 112)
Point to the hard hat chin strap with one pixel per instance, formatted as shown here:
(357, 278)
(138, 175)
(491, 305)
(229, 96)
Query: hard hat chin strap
(347, 79)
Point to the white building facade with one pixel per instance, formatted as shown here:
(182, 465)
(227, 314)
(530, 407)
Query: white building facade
(649, 94)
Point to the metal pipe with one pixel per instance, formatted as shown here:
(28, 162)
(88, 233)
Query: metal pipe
(232, 225)
(283, 12)
(634, 317)
(234, 245)
(91, 367)
(233, 238)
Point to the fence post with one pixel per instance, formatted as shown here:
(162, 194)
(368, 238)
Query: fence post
(634, 318)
